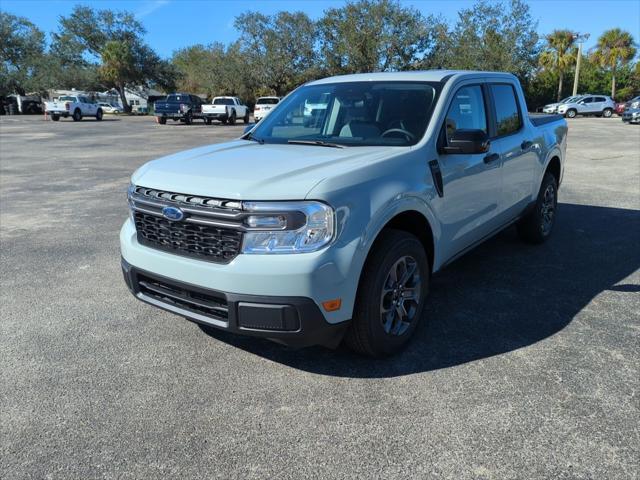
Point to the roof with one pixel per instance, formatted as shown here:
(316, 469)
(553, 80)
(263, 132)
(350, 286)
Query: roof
(414, 75)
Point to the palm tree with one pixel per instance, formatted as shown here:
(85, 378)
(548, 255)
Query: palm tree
(615, 48)
(559, 54)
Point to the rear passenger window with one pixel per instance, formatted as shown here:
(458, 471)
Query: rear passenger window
(507, 115)
(466, 111)
(601, 99)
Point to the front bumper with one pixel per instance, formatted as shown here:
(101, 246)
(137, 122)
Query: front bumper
(292, 321)
(631, 116)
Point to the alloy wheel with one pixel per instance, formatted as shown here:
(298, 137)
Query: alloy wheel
(400, 296)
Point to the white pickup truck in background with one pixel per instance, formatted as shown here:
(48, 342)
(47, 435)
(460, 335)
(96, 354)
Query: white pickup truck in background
(74, 106)
(226, 110)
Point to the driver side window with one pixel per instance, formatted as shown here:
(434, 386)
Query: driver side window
(466, 111)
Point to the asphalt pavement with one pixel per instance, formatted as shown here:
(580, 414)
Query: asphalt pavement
(527, 366)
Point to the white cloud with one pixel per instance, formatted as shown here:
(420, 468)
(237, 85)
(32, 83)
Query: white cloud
(150, 7)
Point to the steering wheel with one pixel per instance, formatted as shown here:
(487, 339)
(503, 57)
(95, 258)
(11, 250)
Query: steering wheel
(410, 136)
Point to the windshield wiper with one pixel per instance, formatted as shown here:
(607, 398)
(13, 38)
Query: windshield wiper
(249, 136)
(319, 143)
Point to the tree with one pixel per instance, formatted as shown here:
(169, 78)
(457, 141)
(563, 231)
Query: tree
(559, 55)
(495, 36)
(615, 49)
(370, 36)
(279, 48)
(87, 36)
(21, 52)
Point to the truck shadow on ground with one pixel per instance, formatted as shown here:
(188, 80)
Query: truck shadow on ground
(502, 296)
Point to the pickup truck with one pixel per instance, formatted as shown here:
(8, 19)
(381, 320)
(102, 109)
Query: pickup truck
(182, 107)
(226, 110)
(315, 233)
(74, 106)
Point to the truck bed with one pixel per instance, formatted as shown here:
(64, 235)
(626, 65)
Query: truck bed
(542, 119)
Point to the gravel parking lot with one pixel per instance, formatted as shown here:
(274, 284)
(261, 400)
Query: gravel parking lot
(528, 367)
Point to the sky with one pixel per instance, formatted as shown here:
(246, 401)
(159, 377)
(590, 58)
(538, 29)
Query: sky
(173, 24)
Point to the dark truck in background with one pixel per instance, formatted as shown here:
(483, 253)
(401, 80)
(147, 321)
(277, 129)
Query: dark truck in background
(183, 107)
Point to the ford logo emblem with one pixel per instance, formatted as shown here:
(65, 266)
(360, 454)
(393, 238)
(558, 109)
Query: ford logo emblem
(172, 213)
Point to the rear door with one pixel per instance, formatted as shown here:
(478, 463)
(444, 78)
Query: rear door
(471, 182)
(599, 104)
(515, 143)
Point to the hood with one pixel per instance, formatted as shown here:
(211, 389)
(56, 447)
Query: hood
(246, 170)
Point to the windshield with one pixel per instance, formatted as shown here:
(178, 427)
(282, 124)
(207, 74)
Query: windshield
(223, 101)
(352, 114)
(66, 99)
(267, 101)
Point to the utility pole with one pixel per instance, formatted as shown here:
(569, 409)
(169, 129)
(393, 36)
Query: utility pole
(580, 39)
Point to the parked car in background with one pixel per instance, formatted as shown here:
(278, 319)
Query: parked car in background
(620, 108)
(598, 105)
(308, 234)
(264, 106)
(553, 107)
(633, 103)
(109, 108)
(631, 115)
(183, 107)
(74, 106)
(225, 110)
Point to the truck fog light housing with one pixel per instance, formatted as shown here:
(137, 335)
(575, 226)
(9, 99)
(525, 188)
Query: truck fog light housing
(288, 227)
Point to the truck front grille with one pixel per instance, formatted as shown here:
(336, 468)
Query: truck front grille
(211, 229)
(204, 242)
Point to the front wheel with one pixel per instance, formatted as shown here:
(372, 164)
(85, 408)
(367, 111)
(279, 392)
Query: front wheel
(391, 295)
(607, 112)
(188, 119)
(99, 115)
(571, 113)
(536, 226)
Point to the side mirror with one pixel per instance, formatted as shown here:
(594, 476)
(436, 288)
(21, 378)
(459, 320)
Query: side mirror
(468, 141)
(248, 127)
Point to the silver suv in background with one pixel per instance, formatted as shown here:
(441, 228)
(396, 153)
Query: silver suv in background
(599, 105)
(553, 107)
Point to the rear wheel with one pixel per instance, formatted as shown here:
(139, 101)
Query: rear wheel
(607, 112)
(77, 115)
(188, 119)
(55, 118)
(232, 118)
(571, 113)
(207, 120)
(161, 120)
(246, 117)
(536, 227)
(99, 114)
(391, 295)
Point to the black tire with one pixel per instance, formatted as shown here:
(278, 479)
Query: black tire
(368, 334)
(571, 113)
(161, 120)
(232, 118)
(55, 118)
(246, 117)
(207, 120)
(536, 226)
(188, 119)
(99, 114)
(607, 113)
(223, 121)
(77, 115)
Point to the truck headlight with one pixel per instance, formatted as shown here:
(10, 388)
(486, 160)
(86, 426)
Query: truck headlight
(130, 191)
(287, 227)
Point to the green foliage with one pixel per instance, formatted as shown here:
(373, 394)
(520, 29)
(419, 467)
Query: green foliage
(370, 36)
(495, 36)
(21, 52)
(615, 49)
(559, 55)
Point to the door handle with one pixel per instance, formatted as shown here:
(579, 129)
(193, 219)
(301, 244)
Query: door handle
(492, 157)
(526, 145)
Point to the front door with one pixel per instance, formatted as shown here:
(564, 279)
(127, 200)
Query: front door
(471, 182)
